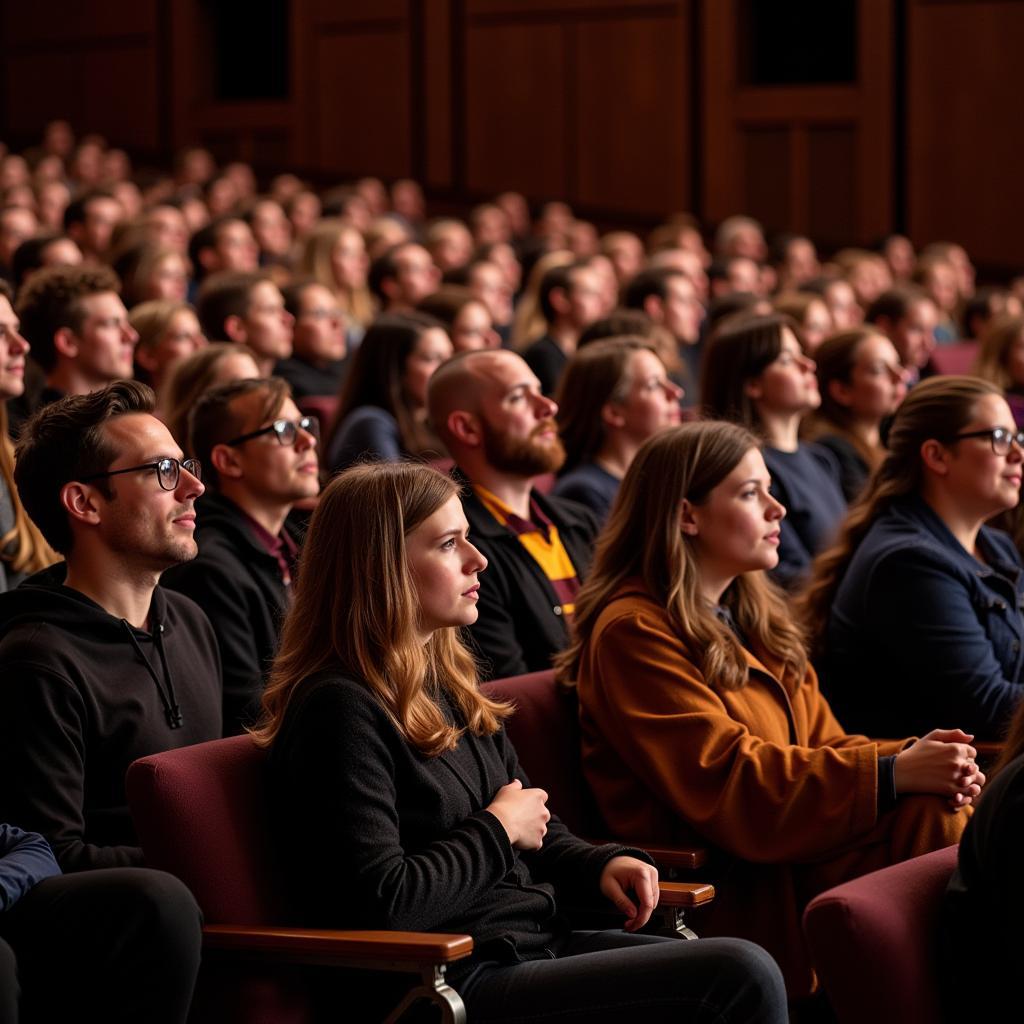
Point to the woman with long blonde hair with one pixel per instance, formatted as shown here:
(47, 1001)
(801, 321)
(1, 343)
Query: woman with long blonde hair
(334, 254)
(394, 770)
(701, 715)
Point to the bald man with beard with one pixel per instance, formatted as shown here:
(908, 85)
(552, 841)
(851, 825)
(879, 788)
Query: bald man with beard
(488, 408)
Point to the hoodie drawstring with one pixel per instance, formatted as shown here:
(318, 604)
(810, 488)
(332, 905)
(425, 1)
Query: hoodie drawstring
(172, 712)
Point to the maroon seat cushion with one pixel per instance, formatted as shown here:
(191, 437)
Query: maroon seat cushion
(873, 941)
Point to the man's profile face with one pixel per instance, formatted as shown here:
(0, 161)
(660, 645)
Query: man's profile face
(268, 325)
(140, 522)
(415, 274)
(105, 341)
(236, 248)
(102, 215)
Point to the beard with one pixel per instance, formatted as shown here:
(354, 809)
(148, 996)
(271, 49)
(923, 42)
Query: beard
(529, 456)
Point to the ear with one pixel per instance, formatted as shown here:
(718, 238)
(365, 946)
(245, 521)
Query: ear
(145, 358)
(225, 460)
(465, 427)
(753, 389)
(611, 415)
(687, 519)
(559, 301)
(65, 342)
(935, 457)
(654, 308)
(207, 258)
(840, 392)
(234, 328)
(77, 501)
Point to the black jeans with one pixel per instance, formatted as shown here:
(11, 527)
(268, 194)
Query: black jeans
(113, 945)
(613, 976)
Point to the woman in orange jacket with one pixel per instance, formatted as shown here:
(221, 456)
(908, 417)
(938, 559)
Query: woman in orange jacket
(701, 715)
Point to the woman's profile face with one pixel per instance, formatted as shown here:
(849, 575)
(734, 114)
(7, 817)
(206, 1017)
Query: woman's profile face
(877, 381)
(652, 402)
(980, 482)
(787, 385)
(473, 329)
(736, 529)
(432, 348)
(444, 567)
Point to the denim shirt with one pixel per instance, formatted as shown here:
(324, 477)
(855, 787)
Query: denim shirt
(922, 634)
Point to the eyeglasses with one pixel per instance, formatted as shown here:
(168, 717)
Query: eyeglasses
(284, 430)
(323, 314)
(168, 471)
(1001, 438)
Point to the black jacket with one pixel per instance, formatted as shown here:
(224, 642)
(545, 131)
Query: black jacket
(393, 839)
(79, 703)
(238, 584)
(520, 624)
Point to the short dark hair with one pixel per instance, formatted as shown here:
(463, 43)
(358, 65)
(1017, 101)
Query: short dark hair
(65, 441)
(207, 237)
(223, 295)
(293, 292)
(647, 283)
(52, 300)
(385, 268)
(893, 305)
(212, 421)
(556, 277)
(29, 256)
(75, 211)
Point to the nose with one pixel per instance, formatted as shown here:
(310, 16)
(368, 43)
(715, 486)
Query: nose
(475, 560)
(1016, 452)
(545, 407)
(17, 344)
(287, 318)
(189, 486)
(130, 334)
(775, 511)
(675, 392)
(304, 439)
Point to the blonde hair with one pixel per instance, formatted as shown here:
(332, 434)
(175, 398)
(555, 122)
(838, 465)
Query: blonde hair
(643, 540)
(316, 261)
(356, 608)
(528, 323)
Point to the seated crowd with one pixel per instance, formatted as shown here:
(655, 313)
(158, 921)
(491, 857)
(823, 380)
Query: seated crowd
(311, 466)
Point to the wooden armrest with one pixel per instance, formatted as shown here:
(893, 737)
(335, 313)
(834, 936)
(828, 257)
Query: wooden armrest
(410, 951)
(684, 894)
(988, 749)
(689, 858)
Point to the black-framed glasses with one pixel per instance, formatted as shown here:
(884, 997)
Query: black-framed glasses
(168, 471)
(1001, 438)
(284, 430)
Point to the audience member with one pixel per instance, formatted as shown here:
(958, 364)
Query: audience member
(861, 383)
(701, 715)
(809, 312)
(168, 333)
(402, 277)
(1000, 361)
(466, 319)
(615, 394)
(100, 665)
(382, 408)
(260, 454)
(369, 711)
(224, 245)
(755, 374)
(489, 410)
(42, 251)
(916, 609)
(248, 309)
(316, 366)
(334, 254)
(907, 317)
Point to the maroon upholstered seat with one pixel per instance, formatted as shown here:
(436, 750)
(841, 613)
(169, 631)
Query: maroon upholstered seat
(200, 814)
(957, 358)
(873, 941)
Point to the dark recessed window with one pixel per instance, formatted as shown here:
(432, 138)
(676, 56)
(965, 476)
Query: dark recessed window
(797, 42)
(249, 41)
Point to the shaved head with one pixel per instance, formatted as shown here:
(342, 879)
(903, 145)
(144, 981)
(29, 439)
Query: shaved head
(457, 385)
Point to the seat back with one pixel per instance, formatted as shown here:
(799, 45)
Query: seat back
(957, 358)
(215, 791)
(545, 731)
(873, 941)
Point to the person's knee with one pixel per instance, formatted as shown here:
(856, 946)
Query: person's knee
(168, 906)
(748, 978)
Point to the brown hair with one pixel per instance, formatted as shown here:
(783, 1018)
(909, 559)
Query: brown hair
(594, 376)
(212, 421)
(316, 261)
(937, 408)
(643, 540)
(66, 441)
(997, 340)
(356, 609)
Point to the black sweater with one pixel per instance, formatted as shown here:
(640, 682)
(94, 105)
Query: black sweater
(399, 840)
(237, 582)
(78, 705)
(520, 626)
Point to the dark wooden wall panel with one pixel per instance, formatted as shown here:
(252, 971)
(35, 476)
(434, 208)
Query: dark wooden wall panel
(766, 172)
(515, 109)
(966, 122)
(832, 191)
(363, 115)
(633, 132)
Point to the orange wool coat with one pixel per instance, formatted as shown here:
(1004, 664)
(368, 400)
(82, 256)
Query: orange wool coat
(764, 774)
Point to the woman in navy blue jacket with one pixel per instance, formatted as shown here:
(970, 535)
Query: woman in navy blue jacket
(916, 612)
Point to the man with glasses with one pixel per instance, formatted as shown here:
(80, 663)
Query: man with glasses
(99, 665)
(319, 342)
(260, 457)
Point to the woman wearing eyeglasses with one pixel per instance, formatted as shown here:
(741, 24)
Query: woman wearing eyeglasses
(916, 611)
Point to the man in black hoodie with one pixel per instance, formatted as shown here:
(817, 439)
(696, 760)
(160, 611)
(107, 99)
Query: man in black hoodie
(260, 454)
(98, 665)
